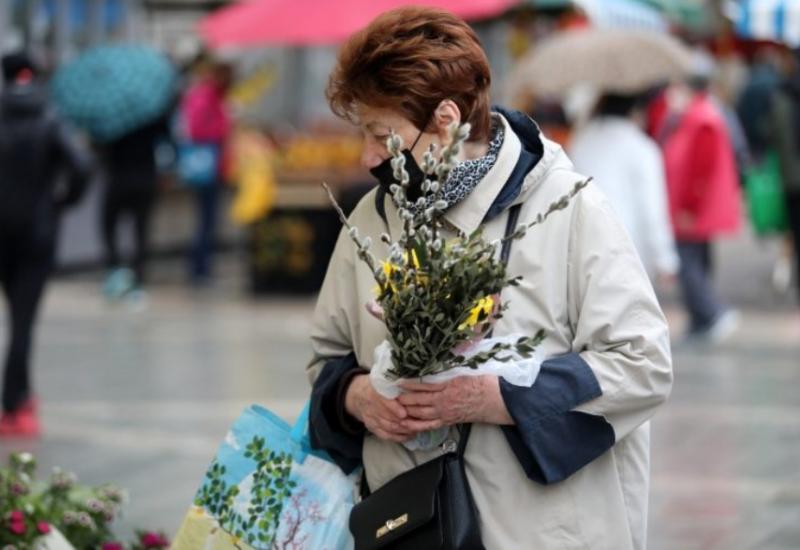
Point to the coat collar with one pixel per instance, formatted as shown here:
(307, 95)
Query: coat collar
(469, 213)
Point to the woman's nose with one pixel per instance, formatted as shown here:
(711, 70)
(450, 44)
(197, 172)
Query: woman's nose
(370, 157)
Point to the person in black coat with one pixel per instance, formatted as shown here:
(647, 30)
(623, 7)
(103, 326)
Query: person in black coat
(35, 150)
(785, 139)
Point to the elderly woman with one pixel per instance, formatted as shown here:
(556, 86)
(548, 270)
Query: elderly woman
(563, 463)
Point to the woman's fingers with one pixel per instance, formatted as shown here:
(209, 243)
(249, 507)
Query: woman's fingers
(390, 430)
(423, 413)
(410, 386)
(393, 426)
(415, 399)
(394, 408)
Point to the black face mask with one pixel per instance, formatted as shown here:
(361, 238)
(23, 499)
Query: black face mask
(385, 175)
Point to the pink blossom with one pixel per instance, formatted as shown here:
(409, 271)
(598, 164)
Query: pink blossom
(154, 540)
(112, 546)
(17, 527)
(43, 527)
(16, 516)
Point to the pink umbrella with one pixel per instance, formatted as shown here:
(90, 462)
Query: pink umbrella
(315, 22)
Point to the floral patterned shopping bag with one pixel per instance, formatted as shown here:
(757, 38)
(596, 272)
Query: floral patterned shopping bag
(267, 489)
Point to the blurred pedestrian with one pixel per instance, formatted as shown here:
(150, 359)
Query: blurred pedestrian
(628, 166)
(131, 191)
(704, 197)
(205, 121)
(753, 104)
(34, 151)
(786, 140)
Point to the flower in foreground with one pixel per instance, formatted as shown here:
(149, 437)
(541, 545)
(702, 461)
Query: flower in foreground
(154, 540)
(480, 312)
(16, 516)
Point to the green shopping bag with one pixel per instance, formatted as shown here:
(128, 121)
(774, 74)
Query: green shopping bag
(765, 197)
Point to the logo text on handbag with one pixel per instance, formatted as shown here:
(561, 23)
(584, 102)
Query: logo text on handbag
(391, 525)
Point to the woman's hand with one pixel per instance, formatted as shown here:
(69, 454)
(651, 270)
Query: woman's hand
(466, 399)
(382, 417)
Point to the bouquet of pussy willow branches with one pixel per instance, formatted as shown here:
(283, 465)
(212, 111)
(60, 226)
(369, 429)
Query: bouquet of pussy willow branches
(439, 296)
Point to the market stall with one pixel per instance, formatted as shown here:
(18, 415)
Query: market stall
(289, 247)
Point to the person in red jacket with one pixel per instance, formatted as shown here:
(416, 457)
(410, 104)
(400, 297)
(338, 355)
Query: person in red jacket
(703, 194)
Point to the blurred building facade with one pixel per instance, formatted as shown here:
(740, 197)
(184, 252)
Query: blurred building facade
(58, 29)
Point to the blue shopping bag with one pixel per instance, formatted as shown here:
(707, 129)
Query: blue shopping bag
(199, 163)
(267, 488)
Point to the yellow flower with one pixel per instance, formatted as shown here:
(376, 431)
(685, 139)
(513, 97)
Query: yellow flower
(482, 309)
(389, 269)
(414, 259)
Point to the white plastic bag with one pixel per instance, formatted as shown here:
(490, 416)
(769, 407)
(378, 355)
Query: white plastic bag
(518, 371)
(54, 540)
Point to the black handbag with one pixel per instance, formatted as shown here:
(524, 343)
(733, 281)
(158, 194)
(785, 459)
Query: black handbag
(430, 506)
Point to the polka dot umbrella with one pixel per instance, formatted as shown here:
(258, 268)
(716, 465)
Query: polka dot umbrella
(114, 89)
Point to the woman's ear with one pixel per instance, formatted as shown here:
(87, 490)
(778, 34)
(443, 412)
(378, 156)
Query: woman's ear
(446, 114)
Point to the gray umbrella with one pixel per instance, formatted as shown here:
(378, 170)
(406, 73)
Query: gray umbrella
(610, 60)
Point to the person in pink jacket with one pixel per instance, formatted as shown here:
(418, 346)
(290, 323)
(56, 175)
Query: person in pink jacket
(703, 194)
(206, 120)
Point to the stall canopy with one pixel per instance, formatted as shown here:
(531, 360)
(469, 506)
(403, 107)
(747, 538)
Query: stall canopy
(310, 22)
(773, 20)
(632, 14)
(689, 15)
(623, 14)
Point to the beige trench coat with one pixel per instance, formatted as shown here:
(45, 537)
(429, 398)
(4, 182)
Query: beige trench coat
(584, 284)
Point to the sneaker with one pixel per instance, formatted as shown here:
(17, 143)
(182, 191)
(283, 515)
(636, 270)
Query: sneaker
(719, 331)
(782, 275)
(23, 423)
(724, 326)
(118, 283)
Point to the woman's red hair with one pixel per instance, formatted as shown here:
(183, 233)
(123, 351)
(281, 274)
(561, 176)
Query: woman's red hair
(409, 60)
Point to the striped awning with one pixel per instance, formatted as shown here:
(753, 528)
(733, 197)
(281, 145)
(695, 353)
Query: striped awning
(623, 14)
(774, 20)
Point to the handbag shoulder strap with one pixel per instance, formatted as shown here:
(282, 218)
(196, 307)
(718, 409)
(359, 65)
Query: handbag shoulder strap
(511, 225)
(505, 254)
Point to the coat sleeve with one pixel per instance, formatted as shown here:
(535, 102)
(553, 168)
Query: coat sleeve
(332, 332)
(620, 330)
(334, 362)
(620, 369)
(331, 428)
